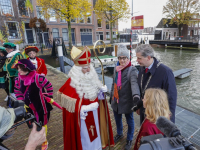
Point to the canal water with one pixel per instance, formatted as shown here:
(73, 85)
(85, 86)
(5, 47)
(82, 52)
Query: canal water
(188, 88)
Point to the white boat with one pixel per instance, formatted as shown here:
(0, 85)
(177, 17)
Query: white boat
(110, 62)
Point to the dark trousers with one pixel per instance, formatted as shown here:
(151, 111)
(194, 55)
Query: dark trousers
(130, 122)
(10, 84)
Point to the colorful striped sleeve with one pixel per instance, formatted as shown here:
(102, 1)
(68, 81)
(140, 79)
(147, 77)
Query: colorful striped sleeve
(18, 93)
(44, 83)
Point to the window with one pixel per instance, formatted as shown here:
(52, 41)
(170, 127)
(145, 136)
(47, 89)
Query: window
(190, 24)
(65, 34)
(199, 31)
(99, 23)
(81, 20)
(6, 7)
(166, 34)
(73, 20)
(99, 35)
(89, 19)
(188, 32)
(55, 32)
(53, 17)
(63, 20)
(107, 24)
(196, 24)
(13, 30)
(107, 35)
(23, 12)
(195, 32)
(114, 35)
(86, 31)
(39, 12)
(174, 34)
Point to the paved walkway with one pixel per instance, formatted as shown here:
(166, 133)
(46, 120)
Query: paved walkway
(55, 127)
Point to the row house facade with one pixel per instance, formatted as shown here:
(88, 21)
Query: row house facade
(170, 31)
(84, 31)
(193, 29)
(14, 15)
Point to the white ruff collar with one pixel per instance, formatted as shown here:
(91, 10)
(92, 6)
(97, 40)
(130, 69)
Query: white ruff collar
(89, 87)
(33, 60)
(11, 54)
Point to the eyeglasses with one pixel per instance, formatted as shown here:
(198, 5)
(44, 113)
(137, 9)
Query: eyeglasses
(122, 58)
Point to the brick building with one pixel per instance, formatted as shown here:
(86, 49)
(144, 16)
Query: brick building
(13, 14)
(85, 31)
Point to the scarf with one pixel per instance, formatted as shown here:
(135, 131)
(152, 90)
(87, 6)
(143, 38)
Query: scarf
(28, 79)
(118, 77)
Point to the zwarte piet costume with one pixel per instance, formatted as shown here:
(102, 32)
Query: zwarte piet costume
(2, 72)
(30, 89)
(12, 73)
(37, 62)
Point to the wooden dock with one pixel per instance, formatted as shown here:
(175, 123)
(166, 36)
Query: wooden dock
(188, 42)
(182, 73)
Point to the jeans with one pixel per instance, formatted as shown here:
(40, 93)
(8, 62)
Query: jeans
(130, 122)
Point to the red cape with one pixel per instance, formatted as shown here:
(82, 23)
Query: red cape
(41, 66)
(71, 104)
(146, 129)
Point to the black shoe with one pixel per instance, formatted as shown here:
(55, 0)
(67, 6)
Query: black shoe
(128, 145)
(117, 138)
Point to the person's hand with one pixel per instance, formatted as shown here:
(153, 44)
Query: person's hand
(104, 88)
(43, 74)
(35, 138)
(138, 111)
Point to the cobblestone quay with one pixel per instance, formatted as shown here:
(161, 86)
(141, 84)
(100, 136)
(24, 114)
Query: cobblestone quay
(55, 126)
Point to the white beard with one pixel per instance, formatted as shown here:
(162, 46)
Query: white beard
(87, 85)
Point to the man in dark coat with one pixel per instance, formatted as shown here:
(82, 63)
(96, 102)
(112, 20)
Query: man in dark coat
(154, 74)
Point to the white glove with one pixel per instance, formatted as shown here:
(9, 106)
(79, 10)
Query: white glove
(104, 88)
(83, 115)
(86, 108)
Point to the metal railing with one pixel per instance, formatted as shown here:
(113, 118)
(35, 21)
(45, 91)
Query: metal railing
(47, 45)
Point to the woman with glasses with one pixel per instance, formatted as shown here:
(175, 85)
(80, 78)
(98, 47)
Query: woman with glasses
(124, 93)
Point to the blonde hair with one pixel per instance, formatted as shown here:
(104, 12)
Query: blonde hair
(156, 104)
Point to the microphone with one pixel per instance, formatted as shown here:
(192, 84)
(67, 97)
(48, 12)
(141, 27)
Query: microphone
(167, 127)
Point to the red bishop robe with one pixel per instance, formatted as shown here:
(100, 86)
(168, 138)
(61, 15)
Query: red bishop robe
(146, 129)
(71, 104)
(41, 67)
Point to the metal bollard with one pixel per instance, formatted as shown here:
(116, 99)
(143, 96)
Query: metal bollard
(60, 56)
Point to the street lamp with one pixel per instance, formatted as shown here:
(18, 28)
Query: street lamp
(37, 24)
